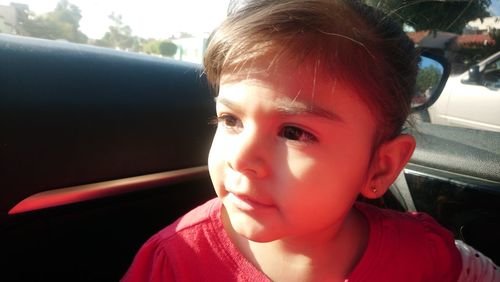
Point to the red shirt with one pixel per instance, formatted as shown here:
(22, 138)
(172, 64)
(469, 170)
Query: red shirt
(401, 247)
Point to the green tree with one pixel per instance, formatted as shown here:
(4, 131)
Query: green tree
(451, 16)
(428, 78)
(119, 35)
(62, 23)
(151, 46)
(167, 48)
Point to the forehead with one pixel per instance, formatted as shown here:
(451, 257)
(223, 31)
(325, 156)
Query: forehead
(307, 85)
(295, 90)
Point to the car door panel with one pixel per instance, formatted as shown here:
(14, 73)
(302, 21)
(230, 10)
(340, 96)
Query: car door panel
(454, 175)
(99, 150)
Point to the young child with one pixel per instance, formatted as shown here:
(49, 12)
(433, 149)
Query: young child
(312, 96)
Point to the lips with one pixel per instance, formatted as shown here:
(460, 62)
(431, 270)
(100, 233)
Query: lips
(246, 203)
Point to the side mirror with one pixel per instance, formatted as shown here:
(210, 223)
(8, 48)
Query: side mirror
(432, 76)
(474, 75)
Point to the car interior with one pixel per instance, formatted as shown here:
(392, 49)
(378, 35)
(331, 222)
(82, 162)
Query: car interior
(100, 149)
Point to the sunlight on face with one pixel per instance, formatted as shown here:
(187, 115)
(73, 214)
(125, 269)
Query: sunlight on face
(290, 154)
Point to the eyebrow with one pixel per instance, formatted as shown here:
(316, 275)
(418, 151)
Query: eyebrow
(228, 103)
(289, 107)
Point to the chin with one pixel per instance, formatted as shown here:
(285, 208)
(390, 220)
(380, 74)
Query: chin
(259, 227)
(255, 231)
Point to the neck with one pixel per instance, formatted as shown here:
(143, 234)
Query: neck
(327, 255)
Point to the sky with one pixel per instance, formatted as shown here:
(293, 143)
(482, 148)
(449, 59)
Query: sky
(495, 7)
(151, 18)
(147, 18)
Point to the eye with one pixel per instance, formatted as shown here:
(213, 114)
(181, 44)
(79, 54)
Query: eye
(297, 134)
(229, 121)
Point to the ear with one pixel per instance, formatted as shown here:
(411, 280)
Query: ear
(387, 162)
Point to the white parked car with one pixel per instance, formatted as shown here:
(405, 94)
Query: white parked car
(471, 99)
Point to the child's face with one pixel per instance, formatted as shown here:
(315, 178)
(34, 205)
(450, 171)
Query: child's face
(291, 153)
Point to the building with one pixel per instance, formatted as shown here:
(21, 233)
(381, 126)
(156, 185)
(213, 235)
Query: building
(7, 19)
(436, 40)
(482, 26)
(475, 34)
(10, 16)
(191, 49)
(461, 50)
(471, 41)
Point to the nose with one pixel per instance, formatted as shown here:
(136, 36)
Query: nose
(249, 154)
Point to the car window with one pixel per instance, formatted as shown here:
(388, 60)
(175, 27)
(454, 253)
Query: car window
(169, 28)
(468, 36)
(492, 66)
(492, 74)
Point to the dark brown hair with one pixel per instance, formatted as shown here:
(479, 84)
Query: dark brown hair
(356, 45)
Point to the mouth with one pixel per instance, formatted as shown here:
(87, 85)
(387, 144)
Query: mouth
(246, 203)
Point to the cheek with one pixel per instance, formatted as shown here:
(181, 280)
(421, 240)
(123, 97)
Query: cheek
(215, 155)
(351, 154)
(298, 166)
(355, 162)
(216, 161)
(336, 173)
(299, 175)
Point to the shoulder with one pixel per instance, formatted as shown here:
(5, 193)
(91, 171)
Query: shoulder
(194, 219)
(403, 224)
(165, 254)
(412, 241)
